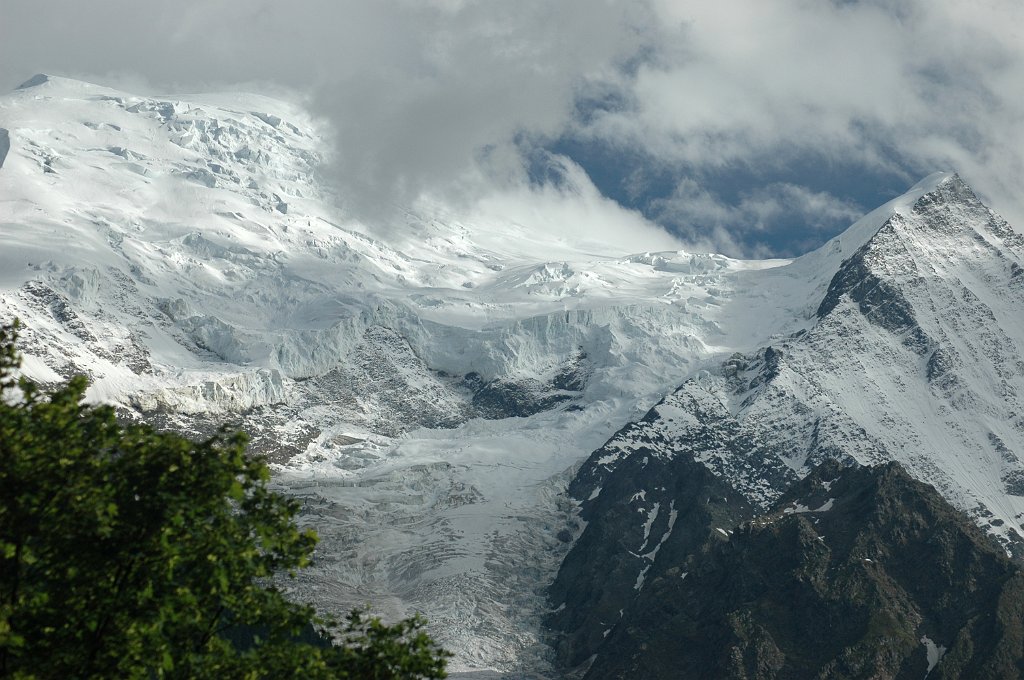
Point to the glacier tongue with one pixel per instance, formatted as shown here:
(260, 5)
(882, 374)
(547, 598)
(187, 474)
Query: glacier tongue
(182, 252)
(427, 392)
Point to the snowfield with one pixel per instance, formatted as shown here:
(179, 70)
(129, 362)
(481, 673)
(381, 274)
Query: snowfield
(428, 393)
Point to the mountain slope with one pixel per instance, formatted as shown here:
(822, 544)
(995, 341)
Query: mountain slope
(912, 355)
(854, 573)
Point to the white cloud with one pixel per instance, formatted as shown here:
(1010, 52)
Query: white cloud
(575, 210)
(904, 87)
(415, 88)
(420, 91)
(743, 226)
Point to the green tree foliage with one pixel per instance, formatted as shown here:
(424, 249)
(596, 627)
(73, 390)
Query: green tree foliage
(130, 553)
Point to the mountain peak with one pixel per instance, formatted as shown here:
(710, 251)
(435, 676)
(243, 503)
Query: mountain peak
(69, 87)
(950, 190)
(937, 229)
(934, 181)
(942, 187)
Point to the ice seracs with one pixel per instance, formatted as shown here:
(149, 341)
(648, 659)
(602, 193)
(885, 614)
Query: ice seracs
(181, 251)
(427, 390)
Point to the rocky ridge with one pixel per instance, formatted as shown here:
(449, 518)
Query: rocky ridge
(912, 355)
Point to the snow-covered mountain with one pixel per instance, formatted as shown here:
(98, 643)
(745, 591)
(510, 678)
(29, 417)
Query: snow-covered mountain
(428, 391)
(913, 355)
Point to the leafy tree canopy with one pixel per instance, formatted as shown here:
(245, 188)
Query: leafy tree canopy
(131, 553)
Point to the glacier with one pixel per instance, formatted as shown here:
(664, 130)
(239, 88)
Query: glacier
(429, 392)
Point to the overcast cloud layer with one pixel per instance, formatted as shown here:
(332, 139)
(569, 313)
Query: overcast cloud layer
(745, 126)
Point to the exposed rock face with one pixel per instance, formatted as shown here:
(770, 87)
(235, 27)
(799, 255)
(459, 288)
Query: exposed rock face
(511, 398)
(675, 504)
(5, 145)
(854, 573)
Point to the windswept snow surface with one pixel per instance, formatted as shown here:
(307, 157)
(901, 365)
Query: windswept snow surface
(425, 392)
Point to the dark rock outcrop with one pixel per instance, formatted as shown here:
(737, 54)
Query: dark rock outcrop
(681, 504)
(855, 573)
(524, 397)
(878, 300)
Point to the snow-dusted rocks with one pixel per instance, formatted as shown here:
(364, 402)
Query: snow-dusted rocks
(5, 145)
(914, 354)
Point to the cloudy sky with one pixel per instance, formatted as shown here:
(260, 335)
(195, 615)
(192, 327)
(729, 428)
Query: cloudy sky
(751, 127)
